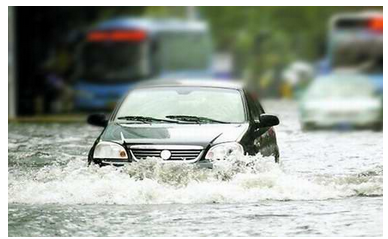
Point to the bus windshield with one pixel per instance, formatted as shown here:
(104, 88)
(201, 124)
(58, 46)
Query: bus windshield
(362, 55)
(112, 61)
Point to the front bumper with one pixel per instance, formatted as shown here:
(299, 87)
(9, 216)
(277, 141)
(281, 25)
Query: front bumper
(119, 162)
(178, 154)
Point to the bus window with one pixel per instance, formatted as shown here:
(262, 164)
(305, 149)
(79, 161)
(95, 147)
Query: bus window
(112, 61)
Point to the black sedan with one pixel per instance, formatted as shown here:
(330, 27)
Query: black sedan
(185, 121)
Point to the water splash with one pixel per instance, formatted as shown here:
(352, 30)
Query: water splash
(244, 179)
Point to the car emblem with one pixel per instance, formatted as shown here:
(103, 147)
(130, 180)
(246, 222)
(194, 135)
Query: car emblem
(165, 154)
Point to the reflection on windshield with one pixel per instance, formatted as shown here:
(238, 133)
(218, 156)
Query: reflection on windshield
(219, 104)
(111, 61)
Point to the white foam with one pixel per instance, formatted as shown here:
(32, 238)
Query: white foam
(248, 179)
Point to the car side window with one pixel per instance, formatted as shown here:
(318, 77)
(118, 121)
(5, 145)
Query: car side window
(261, 110)
(253, 106)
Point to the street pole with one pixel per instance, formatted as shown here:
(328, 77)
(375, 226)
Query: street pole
(11, 64)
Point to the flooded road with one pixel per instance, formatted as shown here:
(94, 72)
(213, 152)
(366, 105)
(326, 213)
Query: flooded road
(328, 184)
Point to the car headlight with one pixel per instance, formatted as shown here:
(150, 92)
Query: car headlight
(221, 151)
(109, 150)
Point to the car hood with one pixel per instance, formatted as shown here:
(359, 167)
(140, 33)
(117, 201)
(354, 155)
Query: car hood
(181, 134)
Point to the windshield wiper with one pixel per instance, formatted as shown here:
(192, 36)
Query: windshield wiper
(145, 119)
(197, 119)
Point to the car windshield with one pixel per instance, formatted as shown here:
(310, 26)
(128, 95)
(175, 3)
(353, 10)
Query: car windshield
(340, 89)
(214, 104)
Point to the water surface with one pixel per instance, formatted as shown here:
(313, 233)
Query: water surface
(328, 184)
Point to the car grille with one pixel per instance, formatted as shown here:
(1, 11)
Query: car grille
(178, 153)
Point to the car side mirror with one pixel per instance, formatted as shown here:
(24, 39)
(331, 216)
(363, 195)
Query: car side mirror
(267, 120)
(98, 120)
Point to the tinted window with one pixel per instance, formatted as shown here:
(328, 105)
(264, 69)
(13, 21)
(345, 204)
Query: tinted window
(254, 105)
(254, 112)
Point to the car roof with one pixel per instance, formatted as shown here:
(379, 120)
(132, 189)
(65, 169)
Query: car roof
(205, 82)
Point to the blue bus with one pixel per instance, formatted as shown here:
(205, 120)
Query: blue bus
(356, 45)
(117, 53)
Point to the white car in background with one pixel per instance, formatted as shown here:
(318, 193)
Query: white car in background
(341, 101)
